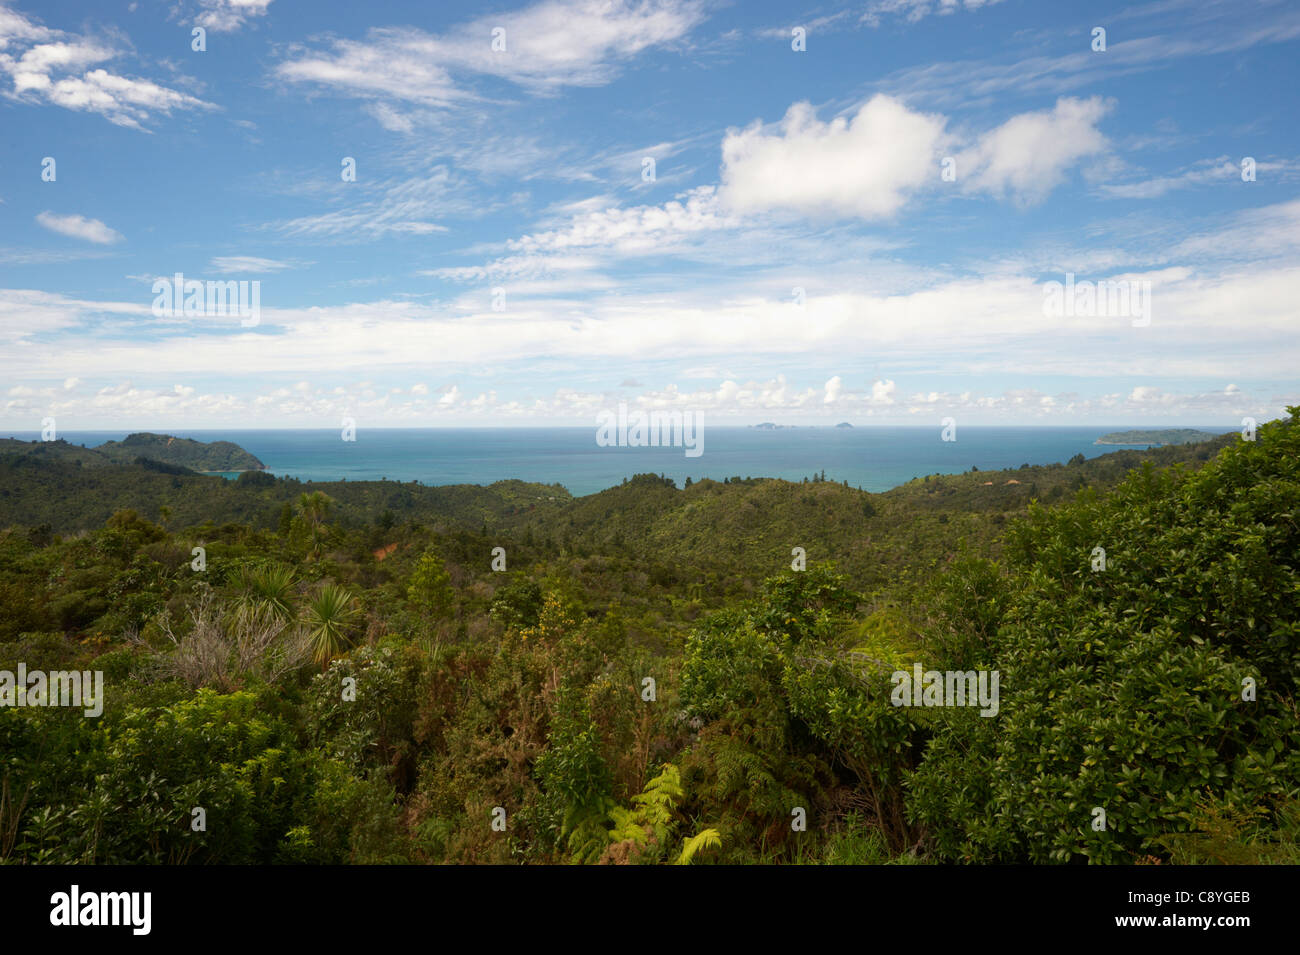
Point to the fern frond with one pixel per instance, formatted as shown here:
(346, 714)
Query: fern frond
(708, 839)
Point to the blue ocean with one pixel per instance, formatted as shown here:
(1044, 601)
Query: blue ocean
(873, 458)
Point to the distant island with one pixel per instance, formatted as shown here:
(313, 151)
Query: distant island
(772, 426)
(144, 447)
(1158, 437)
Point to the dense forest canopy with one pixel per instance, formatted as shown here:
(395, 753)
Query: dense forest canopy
(1157, 436)
(376, 671)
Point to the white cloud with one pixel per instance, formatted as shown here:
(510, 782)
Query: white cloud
(637, 229)
(515, 267)
(1028, 155)
(962, 325)
(1252, 235)
(401, 207)
(1215, 319)
(914, 10)
(732, 399)
(225, 16)
(50, 68)
(1222, 170)
(390, 118)
(865, 166)
(548, 45)
(79, 227)
(247, 264)
(1154, 36)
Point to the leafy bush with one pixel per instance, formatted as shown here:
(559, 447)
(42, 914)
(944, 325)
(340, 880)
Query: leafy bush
(1126, 690)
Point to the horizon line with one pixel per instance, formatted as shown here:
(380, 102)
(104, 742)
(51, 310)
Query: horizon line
(583, 427)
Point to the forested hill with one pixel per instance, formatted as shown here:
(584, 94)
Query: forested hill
(195, 455)
(1158, 436)
(710, 524)
(163, 449)
(39, 490)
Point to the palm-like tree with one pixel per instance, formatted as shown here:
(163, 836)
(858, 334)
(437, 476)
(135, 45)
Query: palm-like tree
(313, 508)
(331, 615)
(266, 590)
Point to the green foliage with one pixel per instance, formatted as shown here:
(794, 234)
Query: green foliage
(706, 839)
(474, 690)
(640, 834)
(518, 604)
(1199, 594)
(372, 728)
(330, 618)
(266, 590)
(574, 775)
(429, 591)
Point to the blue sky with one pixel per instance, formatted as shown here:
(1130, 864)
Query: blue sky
(504, 255)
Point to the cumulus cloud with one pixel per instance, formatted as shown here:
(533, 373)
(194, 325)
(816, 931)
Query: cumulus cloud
(47, 65)
(1028, 155)
(865, 166)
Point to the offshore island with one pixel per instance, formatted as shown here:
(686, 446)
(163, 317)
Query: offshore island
(1157, 438)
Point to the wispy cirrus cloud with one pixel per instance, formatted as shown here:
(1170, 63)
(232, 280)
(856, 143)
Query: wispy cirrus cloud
(246, 264)
(389, 207)
(1154, 36)
(878, 11)
(79, 227)
(541, 48)
(1217, 171)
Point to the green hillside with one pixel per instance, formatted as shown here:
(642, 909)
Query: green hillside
(647, 679)
(161, 448)
(1159, 436)
(184, 452)
(50, 452)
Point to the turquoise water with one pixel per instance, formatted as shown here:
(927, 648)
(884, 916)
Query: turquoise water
(875, 459)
